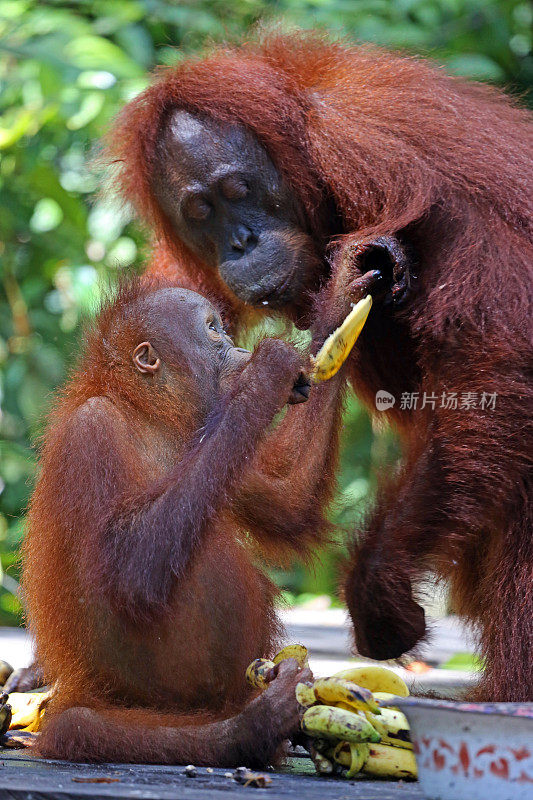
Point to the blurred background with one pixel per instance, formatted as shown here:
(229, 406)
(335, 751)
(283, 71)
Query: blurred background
(65, 70)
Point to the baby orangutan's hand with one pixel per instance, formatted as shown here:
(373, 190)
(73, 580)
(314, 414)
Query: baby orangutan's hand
(281, 695)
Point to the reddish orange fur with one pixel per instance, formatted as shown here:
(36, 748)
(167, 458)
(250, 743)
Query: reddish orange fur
(140, 639)
(403, 149)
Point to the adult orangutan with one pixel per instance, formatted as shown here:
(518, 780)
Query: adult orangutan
(249, 164)
(159, 485)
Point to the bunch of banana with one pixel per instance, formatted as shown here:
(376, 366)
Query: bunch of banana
(338, 345)
(352, 725)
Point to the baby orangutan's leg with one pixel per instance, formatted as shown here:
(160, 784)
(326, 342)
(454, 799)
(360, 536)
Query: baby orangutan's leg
(251, 738)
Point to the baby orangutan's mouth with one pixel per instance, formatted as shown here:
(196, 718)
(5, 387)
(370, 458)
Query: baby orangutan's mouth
(301, 389)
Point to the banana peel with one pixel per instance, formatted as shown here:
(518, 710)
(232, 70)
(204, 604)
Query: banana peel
(323, 764)
(351, 755)
(338, 345)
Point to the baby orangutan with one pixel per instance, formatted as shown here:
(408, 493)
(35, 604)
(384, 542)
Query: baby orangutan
(161, 480)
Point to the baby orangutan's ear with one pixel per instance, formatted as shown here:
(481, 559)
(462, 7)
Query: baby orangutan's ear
(146, 359)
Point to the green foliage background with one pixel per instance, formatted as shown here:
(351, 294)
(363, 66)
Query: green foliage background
(65, 69)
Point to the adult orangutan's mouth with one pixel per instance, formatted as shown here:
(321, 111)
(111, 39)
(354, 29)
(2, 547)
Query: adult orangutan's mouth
(277, 297)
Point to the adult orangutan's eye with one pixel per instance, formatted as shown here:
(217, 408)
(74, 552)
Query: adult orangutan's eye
(197, 207)
(234, 188)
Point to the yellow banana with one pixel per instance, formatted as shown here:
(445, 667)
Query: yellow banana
(393, 727)
(352, 755)
(384, 699)
(305, 695)
(5, 671)
(27, 709)
(257, 672)
(375, 678)
(337, 346)
(336, 723)
(333, 691)
(390, 762)
(296, 651)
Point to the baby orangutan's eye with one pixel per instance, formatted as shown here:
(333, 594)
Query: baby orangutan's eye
(214, 333)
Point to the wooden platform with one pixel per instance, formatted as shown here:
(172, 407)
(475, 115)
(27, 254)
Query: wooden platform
(25, 778)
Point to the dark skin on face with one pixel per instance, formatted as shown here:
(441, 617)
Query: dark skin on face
(229, 204)
(187, 330)
(231, 207)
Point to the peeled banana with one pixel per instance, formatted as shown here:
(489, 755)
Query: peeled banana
(376, 679)
(338, 345)
(333, 691)
(337, 723)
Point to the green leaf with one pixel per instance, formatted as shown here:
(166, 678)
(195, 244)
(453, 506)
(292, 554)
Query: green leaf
(97, 53)
(475, 65)
(91, 105)
(13, 125)
(47, 215)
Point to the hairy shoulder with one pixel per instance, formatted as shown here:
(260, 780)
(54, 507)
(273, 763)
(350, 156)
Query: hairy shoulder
(96, 409)
(95, 429)
(97, 416)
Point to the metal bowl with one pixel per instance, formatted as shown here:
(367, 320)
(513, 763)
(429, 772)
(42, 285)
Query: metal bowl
(472, 751)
